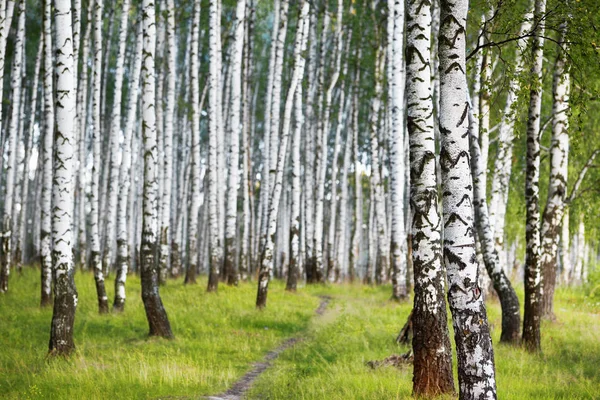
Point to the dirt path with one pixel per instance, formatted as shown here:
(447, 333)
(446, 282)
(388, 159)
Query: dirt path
(239, 388)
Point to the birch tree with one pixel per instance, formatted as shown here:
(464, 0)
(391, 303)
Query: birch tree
(293, 269)
(476, 375)
(46, 222)
(6, 250)
(397, 183)
(169, 115)
(503, 159)
(155, 311)
(231, 267)
(63, 262)
(123, 232)
(95, 260)
(431, 341)
(194, 204)
(531, 319)
(115, 131)
(266, 265)
(557, 188)
(511, 312)
(214, 131)
(376, 181)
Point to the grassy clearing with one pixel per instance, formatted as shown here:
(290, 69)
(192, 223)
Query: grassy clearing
(219, 336)
(361, 326)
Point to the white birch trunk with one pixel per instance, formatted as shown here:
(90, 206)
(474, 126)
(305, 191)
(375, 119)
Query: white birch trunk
(155, 312)
(123, 230)
(48, 143)
(115, 132)
(293, 270)
(431, 341)
(169, 115)
(194, 205)
(266, 266)
(559, 173)
(63, 263)
(231, 267)
(476, 373)
(503, 159)
(95, 261)
(397, 153)
(321, 149)
(11, 169)
(533, 278)
(214, 133)
(382, 256)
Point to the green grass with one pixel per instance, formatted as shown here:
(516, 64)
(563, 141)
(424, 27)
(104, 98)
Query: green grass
(361, 327)
(219, 336)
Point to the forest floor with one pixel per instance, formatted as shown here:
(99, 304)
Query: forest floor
(219, 337)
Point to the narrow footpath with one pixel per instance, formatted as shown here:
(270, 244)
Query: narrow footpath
(239, 388)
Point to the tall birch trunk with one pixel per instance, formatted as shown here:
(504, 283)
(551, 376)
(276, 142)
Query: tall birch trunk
(231, 267)
(214, 132)
(169, 115)
(115, 132)
(559, 172)
(194, 204)
(358, 190)
(431, 341)
(397, 181)
(123, 231)
(266, 265)
(82, 125)
(63, 263)
(155, 312)
(46, 222)
(378, 200)
(476, 374)
(95, 261)
(533, 278)
(247, 184)
(503, 159)
(293, 269)
(6, 250)
(511, 313)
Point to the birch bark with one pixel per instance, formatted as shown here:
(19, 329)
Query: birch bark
(169, 115)
(194, 204)
(559, 172)
(123, 231)
(6, 253)
(266, 266)
(431, 341)
(396, 153)
(214, 131)
(503, 160)
(95, 261)
(155, 311)
(511, 314)
(115, 132)
(476, 375)
(532, 317)
(63, 263)
(46, 222)
(231, 267)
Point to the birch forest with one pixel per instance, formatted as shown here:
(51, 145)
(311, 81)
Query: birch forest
(299, 199)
